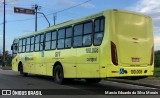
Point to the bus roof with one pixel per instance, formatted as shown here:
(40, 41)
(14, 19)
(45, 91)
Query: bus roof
(71, 22)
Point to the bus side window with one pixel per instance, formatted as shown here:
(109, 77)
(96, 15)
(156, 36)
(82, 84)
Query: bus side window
(24, 45)
(98, 31)
(61, 35)
(32, 44)
(54, 40)
(77, 40)
(28, 44)
(36, 45)
(68, 37)
(20, 46)
(87, 34)
(41, 41)
(48, 41)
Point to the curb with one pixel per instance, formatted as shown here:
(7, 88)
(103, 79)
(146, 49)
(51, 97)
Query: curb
(129, 82)
(5, 68)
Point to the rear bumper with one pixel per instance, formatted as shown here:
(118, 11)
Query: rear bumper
(119, 71)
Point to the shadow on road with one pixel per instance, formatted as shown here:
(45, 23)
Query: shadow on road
(79, 83)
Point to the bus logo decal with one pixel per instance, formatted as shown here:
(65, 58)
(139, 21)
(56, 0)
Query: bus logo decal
(121, 70)
(57, 54)
(42, 53)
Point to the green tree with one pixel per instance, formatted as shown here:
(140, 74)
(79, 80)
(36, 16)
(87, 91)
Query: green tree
(8, 59)
(157, 58)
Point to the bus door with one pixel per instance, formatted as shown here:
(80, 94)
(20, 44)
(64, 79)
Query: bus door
(40, 68)
(14, 49)
(42, 65)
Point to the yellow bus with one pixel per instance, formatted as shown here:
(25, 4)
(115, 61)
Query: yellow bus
(112, 43)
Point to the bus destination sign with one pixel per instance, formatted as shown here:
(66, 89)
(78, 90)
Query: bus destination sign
(24, 10)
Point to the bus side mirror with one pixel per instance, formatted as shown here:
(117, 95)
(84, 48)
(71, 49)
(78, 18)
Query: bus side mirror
(12, 47)
(15, 47)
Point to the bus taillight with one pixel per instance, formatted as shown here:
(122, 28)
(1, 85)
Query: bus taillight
(114, 54)
(151, 60)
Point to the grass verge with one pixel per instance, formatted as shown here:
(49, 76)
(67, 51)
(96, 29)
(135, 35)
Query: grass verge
(6, 67)
(157, 72)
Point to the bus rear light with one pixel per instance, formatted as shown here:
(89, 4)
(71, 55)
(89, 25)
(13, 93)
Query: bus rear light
(114, 54)
(152, 52)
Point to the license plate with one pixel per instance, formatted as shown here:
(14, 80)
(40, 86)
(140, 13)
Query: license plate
(135, 59)
(136, 71)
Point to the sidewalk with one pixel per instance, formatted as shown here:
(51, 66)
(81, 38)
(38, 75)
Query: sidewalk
(6, 67)
(150, 81)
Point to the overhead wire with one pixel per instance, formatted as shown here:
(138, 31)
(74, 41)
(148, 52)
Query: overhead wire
(52, 13)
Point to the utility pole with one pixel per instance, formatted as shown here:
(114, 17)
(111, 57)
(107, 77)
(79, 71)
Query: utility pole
(36, 7)
(4, 27)
(54, 18)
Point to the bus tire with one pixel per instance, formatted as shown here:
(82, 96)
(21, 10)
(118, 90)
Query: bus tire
(93, 80)
(21, 71)
(58, 75)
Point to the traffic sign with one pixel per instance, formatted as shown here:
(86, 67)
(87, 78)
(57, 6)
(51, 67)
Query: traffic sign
(24, 10)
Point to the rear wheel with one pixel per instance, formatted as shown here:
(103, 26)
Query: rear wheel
(21, 71)
(93, 80)
(58, 75)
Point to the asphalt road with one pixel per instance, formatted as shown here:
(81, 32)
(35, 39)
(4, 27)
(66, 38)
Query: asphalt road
(12, 80)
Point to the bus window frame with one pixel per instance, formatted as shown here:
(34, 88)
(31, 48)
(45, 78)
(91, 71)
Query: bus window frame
(51, 31)
(28, 44)
(32, 43)
(91, 33)
(37, 42)
(68, 37)
(99, 18)
(24, 45)
(21, 45)
(54, 39)
(48, 40)
(41, 42)
(83, 22)
(61, 38)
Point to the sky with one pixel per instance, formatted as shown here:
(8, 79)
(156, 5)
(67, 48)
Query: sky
(21, 24)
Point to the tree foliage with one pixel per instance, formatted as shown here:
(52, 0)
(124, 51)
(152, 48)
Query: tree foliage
(8, 58)
(157, 58)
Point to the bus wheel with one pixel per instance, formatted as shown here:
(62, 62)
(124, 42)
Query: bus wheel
(58, 75)
(21, 71)
(93, 80)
